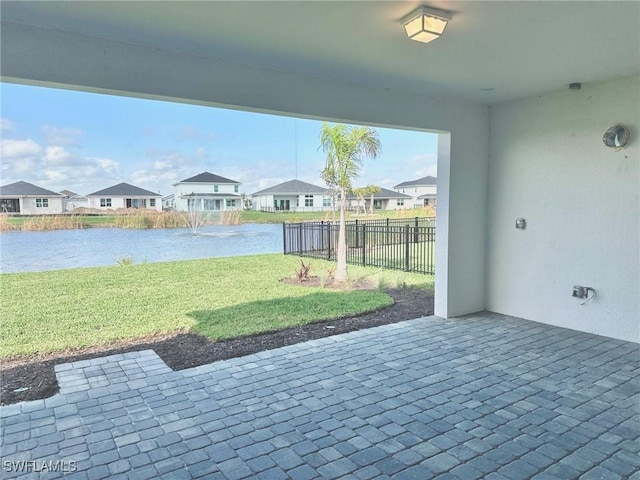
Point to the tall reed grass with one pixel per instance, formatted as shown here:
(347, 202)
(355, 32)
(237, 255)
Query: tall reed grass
(43, 223)
(148, 219)
(426, 211)
(231, 217)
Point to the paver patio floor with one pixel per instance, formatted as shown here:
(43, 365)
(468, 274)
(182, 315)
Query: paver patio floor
(485, 396)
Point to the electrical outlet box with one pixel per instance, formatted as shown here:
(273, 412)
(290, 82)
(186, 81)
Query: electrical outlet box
(580, 291)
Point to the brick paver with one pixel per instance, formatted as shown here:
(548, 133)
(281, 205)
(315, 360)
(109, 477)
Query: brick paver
(484, 396)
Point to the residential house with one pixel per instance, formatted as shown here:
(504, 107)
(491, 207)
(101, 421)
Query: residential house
(422, 191)
(292, 196)
(74, 200)
(385, 199)
(28, 199)
(168, 202)
(515, 142)
(124, 195)
(207, 192)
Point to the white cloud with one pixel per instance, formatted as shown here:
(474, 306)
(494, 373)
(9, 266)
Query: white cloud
(192, 132)
(19, 149)
(56, 155)
(428, 170)
(166, 167)
(106, 164)
(420, 165)
(61, 135)
(6, 124)
(53, 167)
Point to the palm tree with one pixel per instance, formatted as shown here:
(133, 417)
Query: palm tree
(360, 193)
(346, 147)
(372, 190)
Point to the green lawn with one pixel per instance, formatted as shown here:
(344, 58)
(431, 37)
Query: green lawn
(253, 216)
(221, 298)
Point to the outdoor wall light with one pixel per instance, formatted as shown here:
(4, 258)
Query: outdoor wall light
(425, 24)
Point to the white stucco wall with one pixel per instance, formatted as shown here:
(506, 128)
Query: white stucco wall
(581, 202)
(180, 189)
(28, 206)
(120, 202)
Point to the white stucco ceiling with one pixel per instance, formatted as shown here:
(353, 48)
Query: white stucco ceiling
(491, 51)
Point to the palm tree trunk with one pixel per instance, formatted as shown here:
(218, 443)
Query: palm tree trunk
(341, 269)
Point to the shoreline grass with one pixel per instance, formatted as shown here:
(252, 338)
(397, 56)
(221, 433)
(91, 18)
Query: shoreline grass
(139, 218)
(46, 312)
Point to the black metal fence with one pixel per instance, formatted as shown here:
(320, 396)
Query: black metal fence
(406, 244)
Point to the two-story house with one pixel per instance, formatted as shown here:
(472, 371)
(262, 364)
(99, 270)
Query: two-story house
(207, 192)
(422, 191)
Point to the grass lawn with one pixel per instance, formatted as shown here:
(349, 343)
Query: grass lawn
(221, 298)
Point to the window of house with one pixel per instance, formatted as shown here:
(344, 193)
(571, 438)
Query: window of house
(235, 188)
(308, 200)
(42, 202)
(215, 188)
(426, 201)
(326, 201)
(231, 202)
(377, 204)
(105, 202)
(152, 202)
(400, 202)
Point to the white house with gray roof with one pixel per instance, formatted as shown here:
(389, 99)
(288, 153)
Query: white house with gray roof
(207, 192)
(292, 196)
(74, 200)
(423, 191)
(28, 199)
(385, 199)
(124, 195)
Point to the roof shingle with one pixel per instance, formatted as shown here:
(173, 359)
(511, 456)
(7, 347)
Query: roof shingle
(206, 177)
(293, 187)
(124, 189)
(25, 188)
(420, 182)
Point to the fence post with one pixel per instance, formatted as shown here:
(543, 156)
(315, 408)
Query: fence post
(321, 235)
(300, 238)
(386, 234)
(284, 237)
(406, 248)
(357, 235)
(329, 233)
(364, 245)
(415, 237)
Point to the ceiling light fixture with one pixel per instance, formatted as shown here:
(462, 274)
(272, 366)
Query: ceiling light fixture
(425, 24)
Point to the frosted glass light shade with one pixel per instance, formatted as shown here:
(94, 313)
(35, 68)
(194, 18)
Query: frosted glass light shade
(425, 24)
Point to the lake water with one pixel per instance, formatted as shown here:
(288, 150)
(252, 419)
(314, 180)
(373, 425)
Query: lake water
(36, 251)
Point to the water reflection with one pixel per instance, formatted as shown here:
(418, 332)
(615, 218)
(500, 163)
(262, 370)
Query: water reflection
(54, 250)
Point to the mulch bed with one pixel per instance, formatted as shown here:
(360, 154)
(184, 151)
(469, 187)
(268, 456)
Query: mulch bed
(186, 350)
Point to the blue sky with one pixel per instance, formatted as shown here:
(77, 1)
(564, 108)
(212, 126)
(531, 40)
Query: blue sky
(61, 139)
